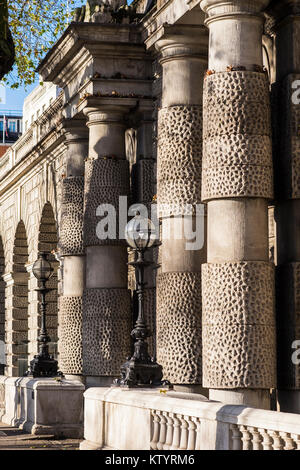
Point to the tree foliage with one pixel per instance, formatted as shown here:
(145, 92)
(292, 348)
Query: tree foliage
(35, 26)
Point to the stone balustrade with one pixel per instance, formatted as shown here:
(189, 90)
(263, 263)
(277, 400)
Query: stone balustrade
(167, 420)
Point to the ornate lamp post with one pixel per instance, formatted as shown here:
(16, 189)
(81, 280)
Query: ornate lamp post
(140, 369)
(43, 364)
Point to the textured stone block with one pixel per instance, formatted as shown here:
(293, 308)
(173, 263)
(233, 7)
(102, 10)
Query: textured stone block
(71, 225)
(239, 356)
(179, 327)
(105, 181)
(179, 158)
(106, 330)
(237, 150)
(239, 347)
(70, 351)
(236, 103)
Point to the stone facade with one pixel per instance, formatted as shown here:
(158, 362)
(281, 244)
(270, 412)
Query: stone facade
(170, 105)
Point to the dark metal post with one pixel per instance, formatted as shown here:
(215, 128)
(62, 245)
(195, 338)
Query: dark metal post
(43, 364)
(141, 370)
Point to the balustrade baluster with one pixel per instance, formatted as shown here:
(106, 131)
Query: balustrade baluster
(170, 428)
(257, 439)
(296, 438)
(176, 433)
(277, 441)
(163, 432)
(246, 438)
(191, 433)
(197, 423)
(288, 441)
(267, 439)
(156, 429)
(236, 437)
(184, 434)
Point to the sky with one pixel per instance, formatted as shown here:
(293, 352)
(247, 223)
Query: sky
(15, 97)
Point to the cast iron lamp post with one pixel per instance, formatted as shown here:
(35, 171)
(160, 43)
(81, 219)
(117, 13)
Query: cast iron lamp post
(140, 369)
(43, 364)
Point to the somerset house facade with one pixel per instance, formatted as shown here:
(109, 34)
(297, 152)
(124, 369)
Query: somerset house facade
(185, 112)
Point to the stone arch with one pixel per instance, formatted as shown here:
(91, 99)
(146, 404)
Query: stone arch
(19, 324)
(2, 309)
(47, 241)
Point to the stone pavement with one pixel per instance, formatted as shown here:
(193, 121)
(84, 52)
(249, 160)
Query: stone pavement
(12, 438)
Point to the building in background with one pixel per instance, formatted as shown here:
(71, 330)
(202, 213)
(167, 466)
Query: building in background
(37, 102)
(11, 128)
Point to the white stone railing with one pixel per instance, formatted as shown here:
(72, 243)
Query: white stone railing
(150, 420)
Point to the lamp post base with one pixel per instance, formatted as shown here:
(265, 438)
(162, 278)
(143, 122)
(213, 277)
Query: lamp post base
(43, 366)
(139, 374)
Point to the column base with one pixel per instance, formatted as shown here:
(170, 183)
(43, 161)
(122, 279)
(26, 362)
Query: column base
(193, 388)
(99, 381)
(89, 445)
(250, 397)
(288, 401)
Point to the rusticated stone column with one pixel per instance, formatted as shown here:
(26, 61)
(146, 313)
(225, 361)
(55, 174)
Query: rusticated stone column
(239, 355)
(284, 23)
(184, 60)
(107, 309)
(72, 249)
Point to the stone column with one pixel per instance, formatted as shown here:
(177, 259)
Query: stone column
(72, 250)
(179, 158)
(107, 308)
(239, 356)
(16, 323)
(285, 27)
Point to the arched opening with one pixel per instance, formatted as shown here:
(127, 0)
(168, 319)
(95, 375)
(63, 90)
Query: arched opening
(20, 302)
(2, 310)
(48, 242)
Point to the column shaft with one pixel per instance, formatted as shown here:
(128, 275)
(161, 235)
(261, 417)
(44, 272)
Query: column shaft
(184, 60)
(72, 250)
(106, 303)
(238, 280)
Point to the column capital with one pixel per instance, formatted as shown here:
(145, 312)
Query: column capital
(75, 130)
(232, 7)
(177, 41)
(106, 109)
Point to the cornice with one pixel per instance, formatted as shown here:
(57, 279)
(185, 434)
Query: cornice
(80, 35)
